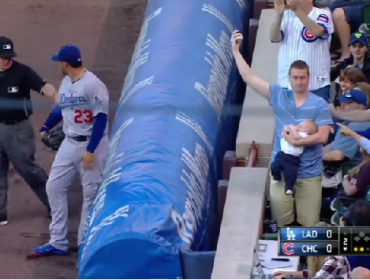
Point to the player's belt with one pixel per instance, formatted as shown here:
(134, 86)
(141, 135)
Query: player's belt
(79, 138)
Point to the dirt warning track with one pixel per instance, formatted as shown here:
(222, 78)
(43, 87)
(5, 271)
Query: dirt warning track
(106, 32)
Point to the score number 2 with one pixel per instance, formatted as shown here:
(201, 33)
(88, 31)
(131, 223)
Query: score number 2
(83, 116)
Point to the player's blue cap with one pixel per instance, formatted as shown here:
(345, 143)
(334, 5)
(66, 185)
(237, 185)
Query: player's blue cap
(358, 37)
(354, 95)
(70, 54)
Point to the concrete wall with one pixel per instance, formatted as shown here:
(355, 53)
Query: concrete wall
(243, 212)
(256, 123)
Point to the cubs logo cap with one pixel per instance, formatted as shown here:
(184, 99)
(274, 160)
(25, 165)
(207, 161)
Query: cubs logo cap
(6, 48)
(69, 53)
(358, 37)
(354, 95)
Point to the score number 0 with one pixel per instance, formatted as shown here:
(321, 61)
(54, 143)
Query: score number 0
(329, 235)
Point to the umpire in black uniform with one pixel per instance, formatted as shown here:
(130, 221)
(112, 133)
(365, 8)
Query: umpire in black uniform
(17, 139)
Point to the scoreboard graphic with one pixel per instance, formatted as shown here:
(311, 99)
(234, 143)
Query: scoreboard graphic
(324, 241)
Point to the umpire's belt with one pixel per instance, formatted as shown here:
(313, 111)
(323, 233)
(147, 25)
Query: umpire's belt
(12, 122)
(79, 138)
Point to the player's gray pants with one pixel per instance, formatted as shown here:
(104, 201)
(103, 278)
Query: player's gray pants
(17, 145)
(66, 167)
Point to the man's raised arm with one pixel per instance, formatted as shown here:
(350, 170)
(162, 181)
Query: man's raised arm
(260, 86)
(276, 30)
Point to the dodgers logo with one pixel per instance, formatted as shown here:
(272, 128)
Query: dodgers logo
(307, 37)
(323, 18)
(98, 102)
(71, 101)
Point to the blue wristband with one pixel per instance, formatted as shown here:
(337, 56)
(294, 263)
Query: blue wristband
(54, 118)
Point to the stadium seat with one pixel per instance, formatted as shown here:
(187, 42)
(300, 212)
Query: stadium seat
(196, 265)
(366, 14)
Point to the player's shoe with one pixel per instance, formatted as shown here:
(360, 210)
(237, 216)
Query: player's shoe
(48, 250)
(3, 220)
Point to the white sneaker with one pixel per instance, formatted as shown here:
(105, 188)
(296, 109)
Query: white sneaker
(274, 182)
(289, 192)
(3, 223)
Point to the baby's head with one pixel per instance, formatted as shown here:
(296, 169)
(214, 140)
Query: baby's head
(308, 127)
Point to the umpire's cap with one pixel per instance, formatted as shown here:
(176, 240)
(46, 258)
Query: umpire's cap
(6, 48)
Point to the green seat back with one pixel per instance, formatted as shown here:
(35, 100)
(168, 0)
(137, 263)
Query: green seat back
(347, 167)
(367, 197)
(366, 14)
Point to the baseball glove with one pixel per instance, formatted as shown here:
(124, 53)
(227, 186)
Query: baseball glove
(53, 139)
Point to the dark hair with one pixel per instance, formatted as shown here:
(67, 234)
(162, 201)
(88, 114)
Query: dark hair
(359, 214)
(76, 65)
(299, 64)
(353, 75)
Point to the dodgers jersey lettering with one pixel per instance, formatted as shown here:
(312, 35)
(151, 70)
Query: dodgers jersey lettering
(299, 44)
(80, 102)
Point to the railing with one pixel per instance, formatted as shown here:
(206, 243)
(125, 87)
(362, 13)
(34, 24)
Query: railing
(245, 191)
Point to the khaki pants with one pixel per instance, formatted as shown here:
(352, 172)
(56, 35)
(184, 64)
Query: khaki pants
(306, 198)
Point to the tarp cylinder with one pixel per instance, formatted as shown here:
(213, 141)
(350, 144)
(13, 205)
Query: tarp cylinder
(160, 184)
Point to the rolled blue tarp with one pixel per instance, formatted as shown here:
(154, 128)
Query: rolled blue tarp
(160, 184)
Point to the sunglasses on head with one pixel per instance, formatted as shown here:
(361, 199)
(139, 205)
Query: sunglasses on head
(348, 95)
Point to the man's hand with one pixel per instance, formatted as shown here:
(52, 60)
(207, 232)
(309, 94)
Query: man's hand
(88, 160)
(280, 275)
(236, 40)
(42, 134)
(345, 131)
(293, 4)
(292, 127)
(289, 137)
(279, 6)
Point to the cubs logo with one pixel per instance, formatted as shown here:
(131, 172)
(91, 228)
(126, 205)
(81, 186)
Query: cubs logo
(323, 18)
(307, 37)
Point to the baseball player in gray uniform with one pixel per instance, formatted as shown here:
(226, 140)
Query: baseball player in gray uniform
(83, 107)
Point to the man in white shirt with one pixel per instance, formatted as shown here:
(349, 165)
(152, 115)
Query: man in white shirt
(304, 33)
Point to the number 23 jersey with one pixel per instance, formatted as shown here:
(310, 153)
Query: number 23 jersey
(80, 102)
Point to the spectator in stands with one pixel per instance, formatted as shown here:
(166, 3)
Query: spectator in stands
(352, 116)
(354, 186)
(291, 107)
(358, 58)
(304, 32)
(360, 273)
(358, 216)
(348, 78)
(319, 267)
(362, 137)
(345, 149)
(347, 17)
(365, 88)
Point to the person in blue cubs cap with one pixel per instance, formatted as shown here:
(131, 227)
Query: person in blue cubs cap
(355, 97)
(83, 106)
(344, 149)
(359, 59)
